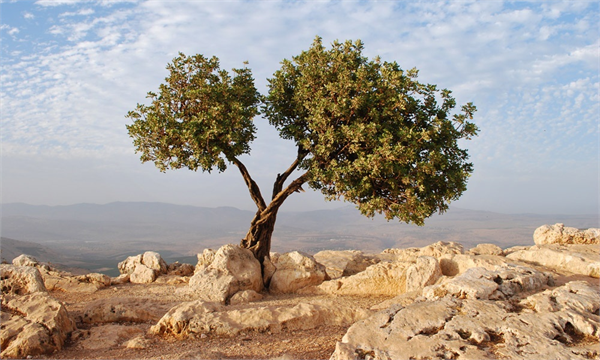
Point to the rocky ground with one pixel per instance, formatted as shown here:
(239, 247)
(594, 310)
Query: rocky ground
(436, 302)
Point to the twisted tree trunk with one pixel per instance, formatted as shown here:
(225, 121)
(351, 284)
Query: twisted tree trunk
(258, 238)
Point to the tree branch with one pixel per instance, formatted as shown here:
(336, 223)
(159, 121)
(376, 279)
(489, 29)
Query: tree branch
(281, 178)
(252, 186)
(281, 196)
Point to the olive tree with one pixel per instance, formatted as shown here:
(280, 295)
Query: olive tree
(366, 132)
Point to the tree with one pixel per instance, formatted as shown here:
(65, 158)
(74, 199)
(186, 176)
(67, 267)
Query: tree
(366, 132)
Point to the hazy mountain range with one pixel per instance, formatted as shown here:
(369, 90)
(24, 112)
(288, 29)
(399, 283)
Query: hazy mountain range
(98, 236)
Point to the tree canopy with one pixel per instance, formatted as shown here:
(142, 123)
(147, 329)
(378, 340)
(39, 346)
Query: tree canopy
(366, 131)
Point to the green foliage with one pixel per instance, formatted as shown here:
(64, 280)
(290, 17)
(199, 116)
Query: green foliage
(201, 116)
(367, 132)
(371, 133)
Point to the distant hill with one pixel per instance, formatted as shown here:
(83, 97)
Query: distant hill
(101, 235)
(10, 249)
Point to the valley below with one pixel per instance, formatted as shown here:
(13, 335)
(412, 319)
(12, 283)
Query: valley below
(95, 238)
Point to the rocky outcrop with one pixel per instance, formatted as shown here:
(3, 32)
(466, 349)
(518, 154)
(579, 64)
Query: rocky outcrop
(154, 261)
(486, 249)
(143, 275)
(199, 317)
(63, 281)
(21, 280)
(296, 270)
(575, 259)
(33, 324)
(561, 234)
(344, 263)
(553, 324)
(501, 283)
(425, 271)
(438, 250)
(384, 278)
(143, 268)
(25, 260)
(233, 269)
(205, 258)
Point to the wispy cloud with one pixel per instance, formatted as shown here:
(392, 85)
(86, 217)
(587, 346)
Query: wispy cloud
(531, 68)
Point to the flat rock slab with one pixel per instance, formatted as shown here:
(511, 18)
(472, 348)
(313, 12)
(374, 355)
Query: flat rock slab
(199, 317)
(548, 325)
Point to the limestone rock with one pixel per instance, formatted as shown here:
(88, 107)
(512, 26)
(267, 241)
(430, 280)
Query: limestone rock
(21, 280)
(486, 249)
(453, 328)
(244, 297)
(296, 270)
(25, 260)
(177, 268)
(233, 269)
(426, 271)
(383, 278)
(116, 310)
(344, 263)
(575, 259)
(128, 265)
(198, 317)
(119, 280)
(142, 275)
(61, 281)
(154, 261)
(452, 265)
(480, 283)
(101, 279)
(143, 267)
(33, 324)
(205, 258)
(561, 234)
(437, 250)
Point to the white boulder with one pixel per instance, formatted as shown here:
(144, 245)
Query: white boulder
(425, 271)
(25, 260)
(296, 270)
(154, 261)
(33, 324)
(233, 269)
(561, 234)
(384, 278)
(21, 280)
(142, 275)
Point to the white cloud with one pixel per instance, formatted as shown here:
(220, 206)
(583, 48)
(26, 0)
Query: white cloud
(82, 12)
(532, 69)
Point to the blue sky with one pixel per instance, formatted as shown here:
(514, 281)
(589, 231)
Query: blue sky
(71, 70)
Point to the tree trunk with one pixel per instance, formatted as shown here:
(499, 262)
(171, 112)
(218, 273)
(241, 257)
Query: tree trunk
(258, 238)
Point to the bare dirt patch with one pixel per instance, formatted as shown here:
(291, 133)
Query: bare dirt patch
(103, 341)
